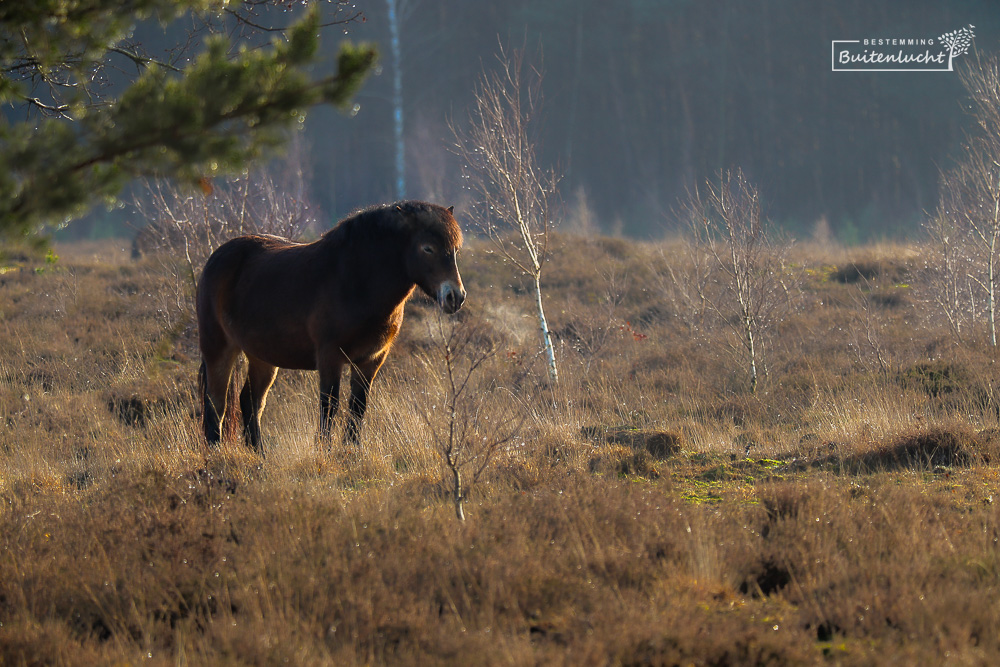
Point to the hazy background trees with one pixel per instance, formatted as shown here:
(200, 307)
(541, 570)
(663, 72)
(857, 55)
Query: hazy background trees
(645, 99)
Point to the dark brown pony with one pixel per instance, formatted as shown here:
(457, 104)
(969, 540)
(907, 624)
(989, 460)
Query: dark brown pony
(319, 306)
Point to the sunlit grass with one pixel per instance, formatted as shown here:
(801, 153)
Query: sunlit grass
(649, 510)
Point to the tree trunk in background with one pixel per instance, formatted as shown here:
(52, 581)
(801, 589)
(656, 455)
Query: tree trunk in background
(397, 100)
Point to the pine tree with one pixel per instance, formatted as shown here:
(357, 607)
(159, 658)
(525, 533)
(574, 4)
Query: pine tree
(215, 113)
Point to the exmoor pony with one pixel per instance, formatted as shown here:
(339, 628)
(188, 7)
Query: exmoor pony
(319, 306)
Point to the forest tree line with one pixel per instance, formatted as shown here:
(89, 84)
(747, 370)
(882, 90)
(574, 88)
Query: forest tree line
(645, 99)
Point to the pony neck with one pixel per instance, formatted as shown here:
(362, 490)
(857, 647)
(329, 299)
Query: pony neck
(375, 262)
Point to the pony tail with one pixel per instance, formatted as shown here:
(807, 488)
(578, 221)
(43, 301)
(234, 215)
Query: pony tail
(232, 423)
(203, 393)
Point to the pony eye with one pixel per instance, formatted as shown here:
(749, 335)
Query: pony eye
(429, 249)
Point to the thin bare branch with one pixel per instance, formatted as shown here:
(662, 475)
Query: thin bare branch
(477, 421)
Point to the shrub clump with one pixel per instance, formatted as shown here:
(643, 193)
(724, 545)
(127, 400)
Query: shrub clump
(659, 444)
(938, 446)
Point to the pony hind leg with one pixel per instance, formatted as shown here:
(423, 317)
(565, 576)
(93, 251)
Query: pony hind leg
(260, 377)
(216, 378)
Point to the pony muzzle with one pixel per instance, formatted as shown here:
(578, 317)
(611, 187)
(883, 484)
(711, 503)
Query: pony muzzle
(450, 297)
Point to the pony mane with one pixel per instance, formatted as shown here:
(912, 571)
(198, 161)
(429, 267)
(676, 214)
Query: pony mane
(407, 217)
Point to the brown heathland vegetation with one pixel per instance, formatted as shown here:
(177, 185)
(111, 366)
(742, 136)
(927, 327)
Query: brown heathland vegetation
(647, 509)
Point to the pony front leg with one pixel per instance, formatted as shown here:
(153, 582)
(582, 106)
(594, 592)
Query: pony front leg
(362, 376)
(329, 395)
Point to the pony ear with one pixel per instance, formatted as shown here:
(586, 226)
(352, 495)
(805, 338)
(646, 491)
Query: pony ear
(451, 209)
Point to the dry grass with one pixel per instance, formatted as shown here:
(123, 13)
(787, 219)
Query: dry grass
(650, 511)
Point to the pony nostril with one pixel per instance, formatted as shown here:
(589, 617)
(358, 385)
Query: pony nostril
(450, 297)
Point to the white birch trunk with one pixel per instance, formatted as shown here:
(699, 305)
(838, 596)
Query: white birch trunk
(993, 279)
(550, 353)
(752, 351)
(992, 293)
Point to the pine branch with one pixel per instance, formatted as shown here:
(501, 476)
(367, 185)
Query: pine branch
(214, 116)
